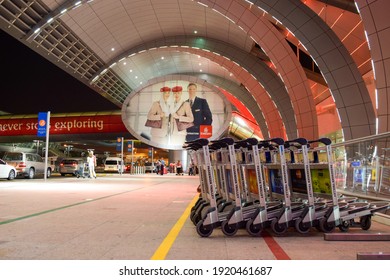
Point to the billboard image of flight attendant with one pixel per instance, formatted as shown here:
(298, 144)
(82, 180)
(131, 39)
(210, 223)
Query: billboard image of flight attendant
(167, 114)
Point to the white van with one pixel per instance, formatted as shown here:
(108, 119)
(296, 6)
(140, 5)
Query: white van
(113, 164)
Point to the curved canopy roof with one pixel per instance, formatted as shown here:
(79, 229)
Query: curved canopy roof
(118, 46)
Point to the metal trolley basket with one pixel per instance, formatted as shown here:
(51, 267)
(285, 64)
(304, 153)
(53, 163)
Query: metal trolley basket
(83, 171)
(259, 184)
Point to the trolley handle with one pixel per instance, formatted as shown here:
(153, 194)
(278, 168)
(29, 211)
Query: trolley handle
(199, 141)
(252, 141)
(247, 142)
(300, 141)
(216, 146)
(240, 144)
(325, 141)
(192, 146)
(227, 141)
(277, 141)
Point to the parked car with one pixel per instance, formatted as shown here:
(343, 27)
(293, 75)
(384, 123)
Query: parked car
(149, 167)
(113, 164)
(71, 166)
(27, 164)
(7, 171)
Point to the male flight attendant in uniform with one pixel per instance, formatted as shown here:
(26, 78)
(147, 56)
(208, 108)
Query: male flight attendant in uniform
(201, 112)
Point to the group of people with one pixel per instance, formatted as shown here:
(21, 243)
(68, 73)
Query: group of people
(178, 113)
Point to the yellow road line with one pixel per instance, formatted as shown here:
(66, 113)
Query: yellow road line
(167, 243)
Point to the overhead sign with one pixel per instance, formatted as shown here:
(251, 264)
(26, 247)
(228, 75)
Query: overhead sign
(63, 125)
(42, 124)
(119, 144)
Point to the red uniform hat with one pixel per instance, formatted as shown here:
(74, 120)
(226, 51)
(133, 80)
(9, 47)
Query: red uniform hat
(163, 89)
(177, 89)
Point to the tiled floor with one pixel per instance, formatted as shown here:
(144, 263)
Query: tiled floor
(128, 217)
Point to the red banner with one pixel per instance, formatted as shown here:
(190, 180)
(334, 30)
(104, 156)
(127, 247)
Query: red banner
(64, 125)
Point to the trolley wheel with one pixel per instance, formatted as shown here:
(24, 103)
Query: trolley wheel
(300, 227)
(203, 231)
(344, 226)
(365, 222)
(192, 215)
(278, 228)
(325, 226)
(252, 229)
(229, 230)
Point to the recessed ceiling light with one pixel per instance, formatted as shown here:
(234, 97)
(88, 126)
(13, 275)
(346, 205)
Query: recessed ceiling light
(200, 70)
(162, 57)
(131, 70)
(195, 32)
(112, 49)
(124, 63)
(200, 64)
(136, 77)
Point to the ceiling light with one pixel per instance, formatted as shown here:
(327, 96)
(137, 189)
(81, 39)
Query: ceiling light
(131, 70)
(195, 32)
(112, 49)
(136, 77)
(162, 57)
(200, 64)
(200, 70)
(124, 63)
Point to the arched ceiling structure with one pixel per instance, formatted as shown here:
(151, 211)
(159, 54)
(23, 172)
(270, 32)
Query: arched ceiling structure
(117, 46)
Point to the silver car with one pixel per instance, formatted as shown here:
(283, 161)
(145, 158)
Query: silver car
(27, 164)
(7, 171)
(71, 166)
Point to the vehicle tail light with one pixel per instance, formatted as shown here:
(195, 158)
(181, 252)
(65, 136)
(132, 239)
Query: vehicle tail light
(61, 164)
(22, 164)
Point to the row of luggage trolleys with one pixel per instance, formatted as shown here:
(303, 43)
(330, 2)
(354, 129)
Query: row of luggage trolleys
(255, 185)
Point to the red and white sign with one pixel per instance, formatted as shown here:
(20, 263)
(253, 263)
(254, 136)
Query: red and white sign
(205, 131)
(64, 125)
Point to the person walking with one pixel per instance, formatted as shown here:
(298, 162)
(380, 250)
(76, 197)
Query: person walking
(162, 166)
(91, 160)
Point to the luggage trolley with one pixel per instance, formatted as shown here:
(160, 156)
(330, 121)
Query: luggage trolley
(263, 209)
(83, 171)
(223, 200)
(279, 187)
(209, 220)
(202, 202)
(234, 218)
(300, 181)
(344, 217)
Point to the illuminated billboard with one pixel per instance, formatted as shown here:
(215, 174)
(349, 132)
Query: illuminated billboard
(167, 114)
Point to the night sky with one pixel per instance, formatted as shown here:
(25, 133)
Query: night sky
(32, 84)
